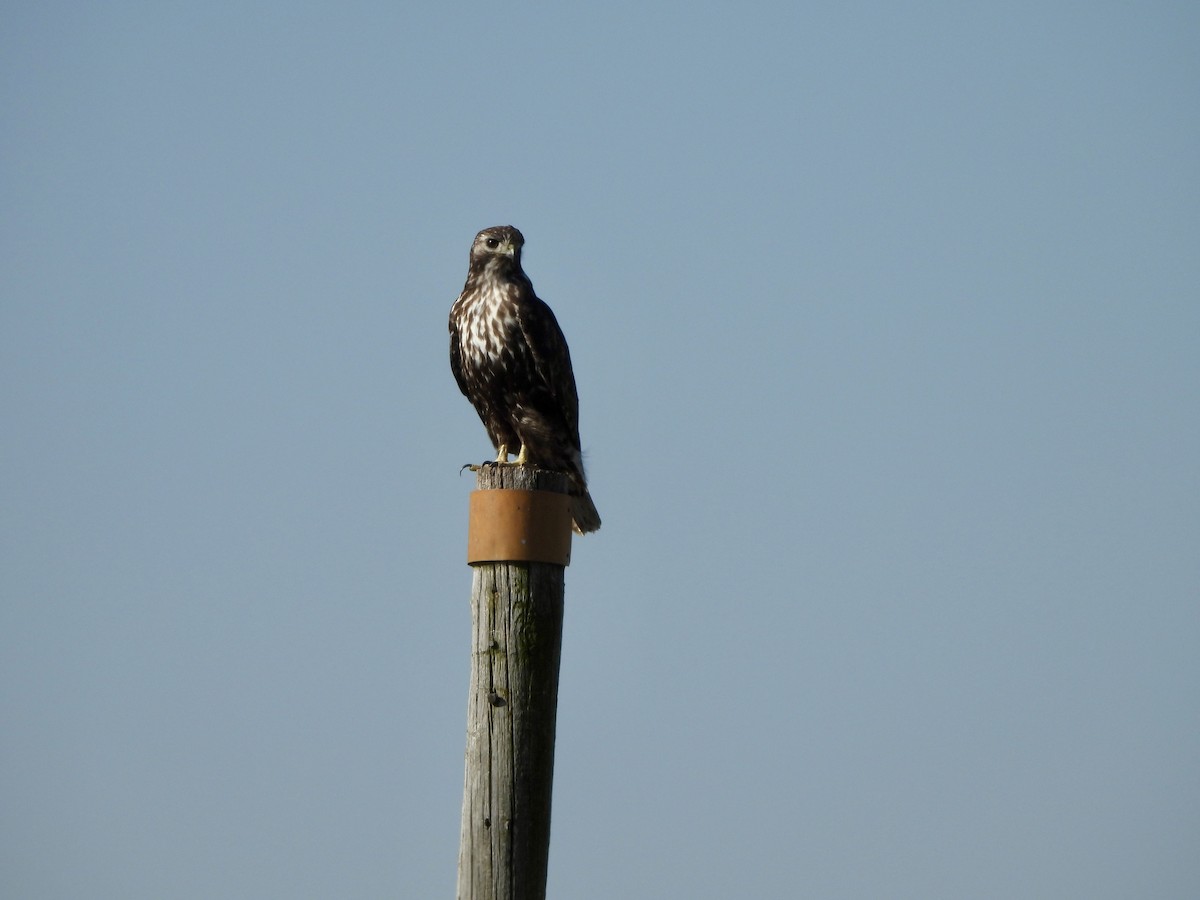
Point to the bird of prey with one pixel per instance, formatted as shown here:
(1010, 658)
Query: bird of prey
(511, 361)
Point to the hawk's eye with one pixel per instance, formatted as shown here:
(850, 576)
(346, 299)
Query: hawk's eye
(492, 243)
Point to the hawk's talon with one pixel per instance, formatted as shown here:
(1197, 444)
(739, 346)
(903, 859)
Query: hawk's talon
(503, 460)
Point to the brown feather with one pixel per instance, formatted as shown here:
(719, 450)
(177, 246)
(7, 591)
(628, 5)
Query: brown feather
(511, 360)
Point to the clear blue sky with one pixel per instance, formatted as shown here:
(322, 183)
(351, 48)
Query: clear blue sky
(886, 324)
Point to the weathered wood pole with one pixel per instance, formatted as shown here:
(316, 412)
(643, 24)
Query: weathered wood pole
(516, 642)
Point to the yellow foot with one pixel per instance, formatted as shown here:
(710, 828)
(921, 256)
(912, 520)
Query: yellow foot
(503, 460)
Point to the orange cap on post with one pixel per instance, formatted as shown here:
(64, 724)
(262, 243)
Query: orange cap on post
(519, 526)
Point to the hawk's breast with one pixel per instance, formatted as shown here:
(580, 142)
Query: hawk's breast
(488, 332)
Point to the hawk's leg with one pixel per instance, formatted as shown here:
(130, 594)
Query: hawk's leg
(503, 460)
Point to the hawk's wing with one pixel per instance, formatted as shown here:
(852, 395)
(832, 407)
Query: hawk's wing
(551, 358)
(456, 365)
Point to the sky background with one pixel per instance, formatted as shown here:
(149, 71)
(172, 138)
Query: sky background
(886, 326)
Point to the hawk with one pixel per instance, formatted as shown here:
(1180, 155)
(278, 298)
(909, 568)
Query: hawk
(511, 361)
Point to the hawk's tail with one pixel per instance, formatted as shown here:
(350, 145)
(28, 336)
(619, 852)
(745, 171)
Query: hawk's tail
(583, 512)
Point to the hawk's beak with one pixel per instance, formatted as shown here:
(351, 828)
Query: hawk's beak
(508, 248)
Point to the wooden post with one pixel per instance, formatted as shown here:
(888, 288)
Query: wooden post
(517, 615)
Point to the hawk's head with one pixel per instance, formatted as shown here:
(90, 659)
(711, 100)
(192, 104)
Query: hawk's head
(499, 246)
